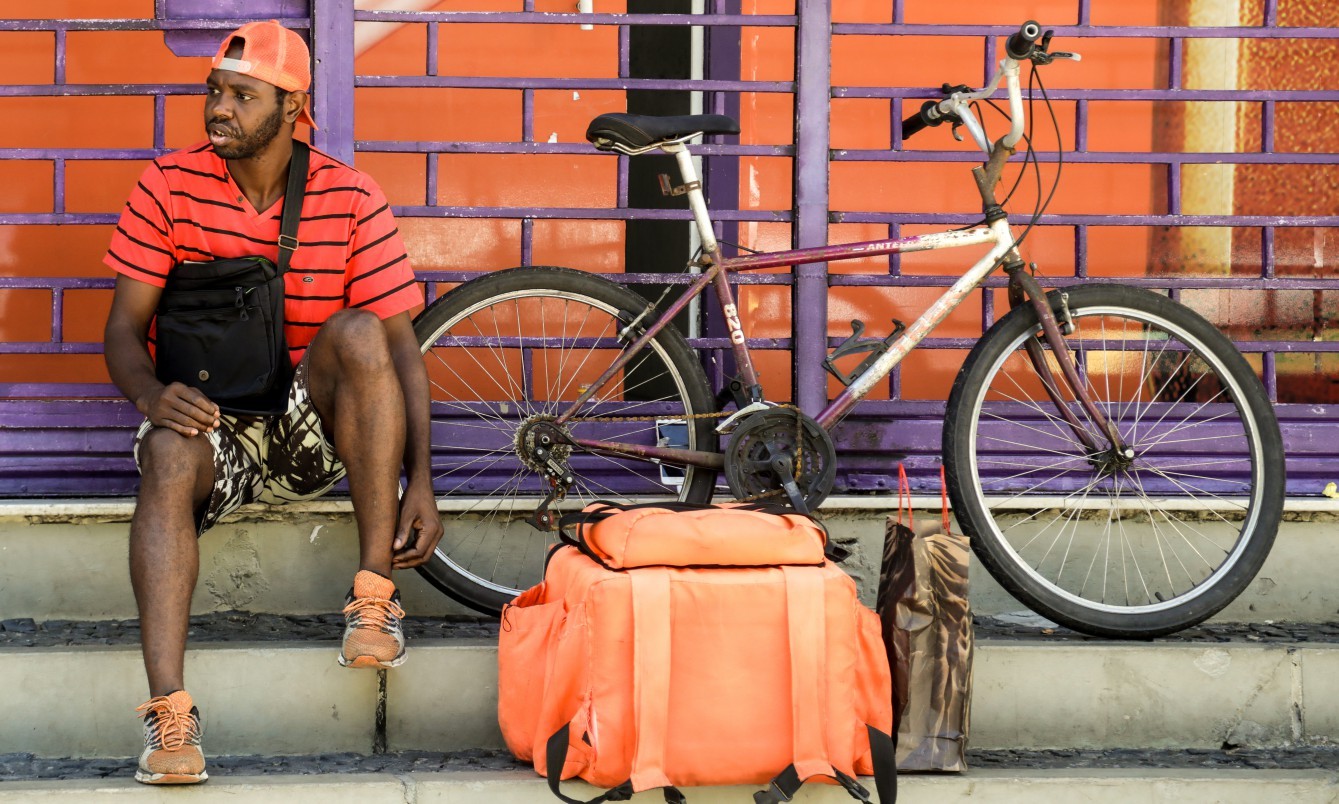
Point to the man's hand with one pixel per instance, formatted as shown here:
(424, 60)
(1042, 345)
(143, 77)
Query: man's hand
(180, 408)
(420, 527)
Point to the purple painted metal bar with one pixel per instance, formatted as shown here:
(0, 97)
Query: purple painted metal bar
(576, 148)
(477, 82)
(809, 302)
(58, 186)
(626, 279)
(1287, 95)
(332, 81)
(1095, 157)
(59, 73)
(1176, 63)
(431, 171)
(557, 18)
(50, 348)
(58, 316)
(1267, 252)
(1267, 110)
(1107, 31)
(591, 213)
(1173, 189)
(61, 90)
(433, 46)
(78, 153)
(160, 122)
(300, 23)
(1097, 220)
(528, 116)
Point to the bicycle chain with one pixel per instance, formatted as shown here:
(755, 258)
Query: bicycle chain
(799, 434)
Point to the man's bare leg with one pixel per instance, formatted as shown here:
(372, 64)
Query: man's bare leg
(357, 393)
(177, 478)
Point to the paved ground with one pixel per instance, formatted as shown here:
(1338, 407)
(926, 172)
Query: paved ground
(247, 627)
(25, 767)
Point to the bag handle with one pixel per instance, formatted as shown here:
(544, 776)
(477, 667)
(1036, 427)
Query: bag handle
(292, 210)
(834, 552)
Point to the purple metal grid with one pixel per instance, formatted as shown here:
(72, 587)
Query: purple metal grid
(332, 23)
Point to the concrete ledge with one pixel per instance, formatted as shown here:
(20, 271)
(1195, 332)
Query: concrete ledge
(1155, 786)
(269, 699)
(287, 699)
(300, 559)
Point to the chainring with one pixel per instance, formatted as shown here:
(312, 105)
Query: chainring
(762, 436)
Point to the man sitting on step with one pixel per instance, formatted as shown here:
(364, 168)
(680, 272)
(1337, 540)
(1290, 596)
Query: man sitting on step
(358, 404)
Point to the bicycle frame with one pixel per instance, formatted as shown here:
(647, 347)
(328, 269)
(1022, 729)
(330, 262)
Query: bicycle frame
(995, 234)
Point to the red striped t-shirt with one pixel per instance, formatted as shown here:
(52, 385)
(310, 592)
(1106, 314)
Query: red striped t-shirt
(187, 207)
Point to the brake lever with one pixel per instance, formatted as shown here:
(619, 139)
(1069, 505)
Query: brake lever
(1042, 58)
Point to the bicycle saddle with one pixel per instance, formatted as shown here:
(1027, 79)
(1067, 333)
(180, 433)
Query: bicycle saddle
(641, 131)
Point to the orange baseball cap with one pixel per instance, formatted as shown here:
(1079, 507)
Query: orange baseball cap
(273, 54)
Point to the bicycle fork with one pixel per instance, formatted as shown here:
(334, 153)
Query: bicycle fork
(1024, 289)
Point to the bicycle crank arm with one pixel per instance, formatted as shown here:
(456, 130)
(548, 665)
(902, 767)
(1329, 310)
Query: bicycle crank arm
(671, 455)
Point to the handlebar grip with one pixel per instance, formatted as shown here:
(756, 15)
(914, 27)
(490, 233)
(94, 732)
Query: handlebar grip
(1019, 45)
(918, 121)
(913, 125)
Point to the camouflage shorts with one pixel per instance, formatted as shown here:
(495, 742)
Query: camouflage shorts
(270, 459)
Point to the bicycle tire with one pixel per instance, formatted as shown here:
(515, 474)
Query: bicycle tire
(1201, 426)
(507, 348)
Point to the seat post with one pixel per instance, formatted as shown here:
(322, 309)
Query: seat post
(697, 202)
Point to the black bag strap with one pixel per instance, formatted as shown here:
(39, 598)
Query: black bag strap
(555, 753)
(292, 211)
(883, 752)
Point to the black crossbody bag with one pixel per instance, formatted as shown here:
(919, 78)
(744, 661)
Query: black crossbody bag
(221, 323)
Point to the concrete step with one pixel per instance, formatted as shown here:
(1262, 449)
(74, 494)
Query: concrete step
(287, 697)
(995, 786)
(67, 560)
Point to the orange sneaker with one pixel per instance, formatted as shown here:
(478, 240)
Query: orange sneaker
(373, 635)
(172, 732)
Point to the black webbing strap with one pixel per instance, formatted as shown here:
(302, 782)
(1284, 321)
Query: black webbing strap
(292, 211)
(883, 753)
(556, 755)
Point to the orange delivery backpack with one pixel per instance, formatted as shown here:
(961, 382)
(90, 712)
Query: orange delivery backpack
(676, 645)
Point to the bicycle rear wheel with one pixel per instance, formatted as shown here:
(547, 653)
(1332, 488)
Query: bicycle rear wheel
(510, 351)
(1117, 545)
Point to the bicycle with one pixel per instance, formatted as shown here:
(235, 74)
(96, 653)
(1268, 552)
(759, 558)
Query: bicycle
(1113, 458)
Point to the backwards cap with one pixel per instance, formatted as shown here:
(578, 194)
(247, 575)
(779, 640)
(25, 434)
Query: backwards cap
(273, 54)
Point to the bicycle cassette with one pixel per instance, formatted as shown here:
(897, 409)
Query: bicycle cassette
(782, 453)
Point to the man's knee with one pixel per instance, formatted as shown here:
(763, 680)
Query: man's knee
(356, 341)
(167, 455)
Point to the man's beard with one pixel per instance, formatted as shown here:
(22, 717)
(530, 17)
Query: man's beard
(245, 146)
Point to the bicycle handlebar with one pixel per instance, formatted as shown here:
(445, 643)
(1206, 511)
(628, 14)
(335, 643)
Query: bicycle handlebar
(1019, 45)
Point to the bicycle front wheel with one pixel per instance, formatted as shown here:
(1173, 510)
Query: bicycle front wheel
(1120, 544)
(506, 355)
